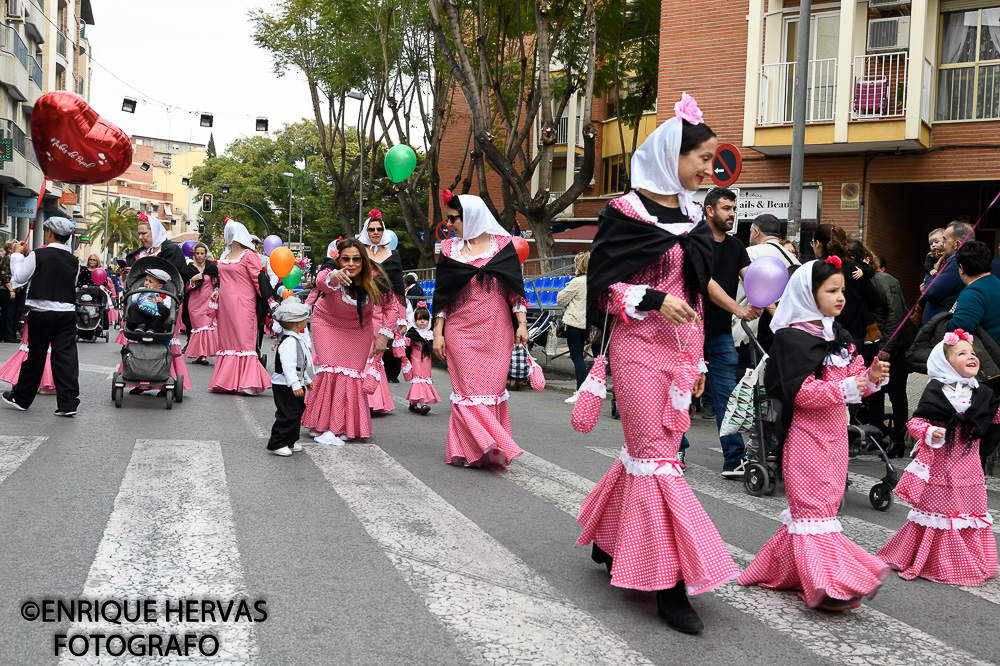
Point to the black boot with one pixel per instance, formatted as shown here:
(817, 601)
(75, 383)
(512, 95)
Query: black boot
(673, 606)
(601, 557)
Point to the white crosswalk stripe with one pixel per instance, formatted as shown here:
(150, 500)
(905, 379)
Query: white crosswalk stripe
(865, 636)
(14, 451)
(498, 609)
(171, 536)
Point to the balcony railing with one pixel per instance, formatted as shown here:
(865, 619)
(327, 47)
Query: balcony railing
(777, 86)
(31, 153)
(79, 86)
(562, 132)
(11, 42)
(12, 131)
(880, 86)
(61, 44)
(34, 71)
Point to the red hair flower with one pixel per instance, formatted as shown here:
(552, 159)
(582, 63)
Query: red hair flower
(837, 263)
(447, 196)
(421, 304)
(143, 217)
(956, 335)
(375, 214)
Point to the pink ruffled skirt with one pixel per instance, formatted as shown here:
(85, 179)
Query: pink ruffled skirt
(481, 433)
(11, 370)
(422, 391)
(338, 404)
(237, 371)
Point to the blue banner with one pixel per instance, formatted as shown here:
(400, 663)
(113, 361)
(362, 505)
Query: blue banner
(21, 206)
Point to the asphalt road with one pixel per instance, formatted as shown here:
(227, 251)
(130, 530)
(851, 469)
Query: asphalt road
(379, 553)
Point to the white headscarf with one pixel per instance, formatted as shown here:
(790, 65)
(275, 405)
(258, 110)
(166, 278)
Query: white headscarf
(940, 369)
(235, 231)
(477, 220)
(159, 235)
(655, 162)
(798, 304)
(365, 240)
(331, 248)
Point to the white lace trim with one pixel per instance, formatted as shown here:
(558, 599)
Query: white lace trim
(401, 322)
(681, 400)
(841, 359)
(930, 434)
(957, 521)
(213, 304)
(441, 314)
(234, 352)
(349, 372)
(598, 387)
(233, 261)
(406, 367)
(849, 387)
(425, 333)
(632, 300)
(387, 332)
(421, 380)
(23, 348)
(651, 466)
(472, 400)
(210, 327)
(702, 366)
(810, 525)
(399, 342)
(457, 255)
(919, 470)
(519, 308)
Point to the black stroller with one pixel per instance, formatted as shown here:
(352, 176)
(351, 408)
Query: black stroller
(92, 314)
(147, 358)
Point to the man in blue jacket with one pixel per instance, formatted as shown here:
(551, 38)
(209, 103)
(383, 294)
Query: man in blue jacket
(944, 290)
(982, 291)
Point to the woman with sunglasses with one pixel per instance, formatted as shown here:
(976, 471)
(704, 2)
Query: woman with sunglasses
(348, 328)
(480, 307)
(388, 263)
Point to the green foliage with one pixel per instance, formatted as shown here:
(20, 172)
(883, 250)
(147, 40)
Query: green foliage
(121, 225)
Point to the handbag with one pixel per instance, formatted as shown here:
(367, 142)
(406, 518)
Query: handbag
(739, 416)
(373, 375)
(518, 363)
(561, 329)
(535, 374)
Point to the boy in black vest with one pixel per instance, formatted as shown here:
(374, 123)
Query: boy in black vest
(50, 273)
(294, 373)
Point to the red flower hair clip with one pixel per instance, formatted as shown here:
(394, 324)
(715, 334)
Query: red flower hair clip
(447, 196)
(375, 214)
(837, 263)
(421, 304)
(953, 337)
(142, 217)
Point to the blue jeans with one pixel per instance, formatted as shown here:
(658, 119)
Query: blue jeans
(723, 366)
(575, 338)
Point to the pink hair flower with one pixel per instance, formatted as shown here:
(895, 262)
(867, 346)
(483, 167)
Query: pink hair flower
(834, 260)
(375, 214)
(687, 109)
(142, 217)
(421, 304)
(951, 338)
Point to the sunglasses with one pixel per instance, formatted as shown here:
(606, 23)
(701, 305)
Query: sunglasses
(350, 260)
(374, 230)
(453, 218)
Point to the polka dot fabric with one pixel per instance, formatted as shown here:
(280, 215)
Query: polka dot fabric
(947, 538)
(479, 339)
(421, 385)
(814, 463)
(653, 526)
(386, 314)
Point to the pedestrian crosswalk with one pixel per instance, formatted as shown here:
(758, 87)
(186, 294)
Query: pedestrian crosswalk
(171, 534)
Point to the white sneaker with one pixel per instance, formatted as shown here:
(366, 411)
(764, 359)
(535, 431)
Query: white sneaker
(573, 398)
(249, 392)
(329, 439)
(315, 433)
(283, 451)
(296, 447)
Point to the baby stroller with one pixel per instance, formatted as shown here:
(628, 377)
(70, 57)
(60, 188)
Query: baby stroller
(147, 358)
(92, 314)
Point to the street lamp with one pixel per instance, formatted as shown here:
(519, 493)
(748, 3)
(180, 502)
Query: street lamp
(290, 176)
(361, 153)
(302, 205)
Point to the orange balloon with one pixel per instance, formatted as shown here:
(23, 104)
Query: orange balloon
(281, 261)
(521, 246)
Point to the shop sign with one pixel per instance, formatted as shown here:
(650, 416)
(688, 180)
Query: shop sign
(21, 206)
(754, 201)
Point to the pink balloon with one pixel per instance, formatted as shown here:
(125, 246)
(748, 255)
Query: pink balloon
(765, 281)
(271, 243)
(98, 276)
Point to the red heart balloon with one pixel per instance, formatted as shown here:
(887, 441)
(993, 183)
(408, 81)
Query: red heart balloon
(74, 144)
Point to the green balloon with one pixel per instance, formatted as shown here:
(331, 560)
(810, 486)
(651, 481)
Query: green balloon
(400, 162)
(293, 278)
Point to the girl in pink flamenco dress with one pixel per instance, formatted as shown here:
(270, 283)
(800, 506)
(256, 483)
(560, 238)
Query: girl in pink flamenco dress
(479, 293)
(649, 269)
(348, 328)
(948, 536)
(416, 353)
(812, 374)
(11, 370)
(237, 367)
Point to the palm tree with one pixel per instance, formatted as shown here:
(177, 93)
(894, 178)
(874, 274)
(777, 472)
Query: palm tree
(121, 224)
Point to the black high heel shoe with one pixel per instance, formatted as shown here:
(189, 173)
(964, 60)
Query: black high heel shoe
(601, 557)
(673, 606)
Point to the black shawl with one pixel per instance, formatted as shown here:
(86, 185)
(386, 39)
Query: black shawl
(452, 277)
(796, 354)
(211, 271)
(393, 270)
(974, 424)
(170, 251)
(623, 245)
(415, 341)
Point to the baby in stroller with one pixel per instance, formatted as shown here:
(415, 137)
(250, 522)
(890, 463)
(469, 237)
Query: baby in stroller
(148, 312)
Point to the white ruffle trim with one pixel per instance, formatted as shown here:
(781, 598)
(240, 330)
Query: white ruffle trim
(872, 388)
(425, 333)
(840, 360)
(681, 400)
(702, 366)
(919, 470)
(210, 327)
(387, 332)
(174, 342)
(930, 434)
(594, 387)
(472, 400)
(402, 322)
(233, 261)
(344, 296)
(399, 342)
(349, 372)
(23, 348)
(421, 380)
(958, 521)
(632, 300)
(519, 308)
(406, 366)
(214, 305)
(651, 466)
(235, 352)
(849, 387)
(810, 525)
(441, 315)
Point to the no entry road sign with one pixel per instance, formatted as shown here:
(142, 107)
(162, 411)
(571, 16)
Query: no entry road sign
(441, 231)
(727, 165)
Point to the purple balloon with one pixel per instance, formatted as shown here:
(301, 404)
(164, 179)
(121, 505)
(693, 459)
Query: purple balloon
(188, 249)
(765, 281)
(271, 243)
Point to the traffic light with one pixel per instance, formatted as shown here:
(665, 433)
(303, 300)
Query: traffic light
(201, 226)
(206, 203)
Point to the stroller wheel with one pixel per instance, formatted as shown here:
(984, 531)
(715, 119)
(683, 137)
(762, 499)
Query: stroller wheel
(756, 480)
(880, 496)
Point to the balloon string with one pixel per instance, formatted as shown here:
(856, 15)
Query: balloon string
(38, 208)
(939, 273)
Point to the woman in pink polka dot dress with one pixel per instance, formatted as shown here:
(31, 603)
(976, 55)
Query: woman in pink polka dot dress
(812, 373)
(478, 294)
(948, 536)
(651, 258)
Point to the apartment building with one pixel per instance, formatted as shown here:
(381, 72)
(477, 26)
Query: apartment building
(174, 162)
(43, 47)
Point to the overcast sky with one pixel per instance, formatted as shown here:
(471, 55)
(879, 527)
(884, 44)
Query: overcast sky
(197, 55)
